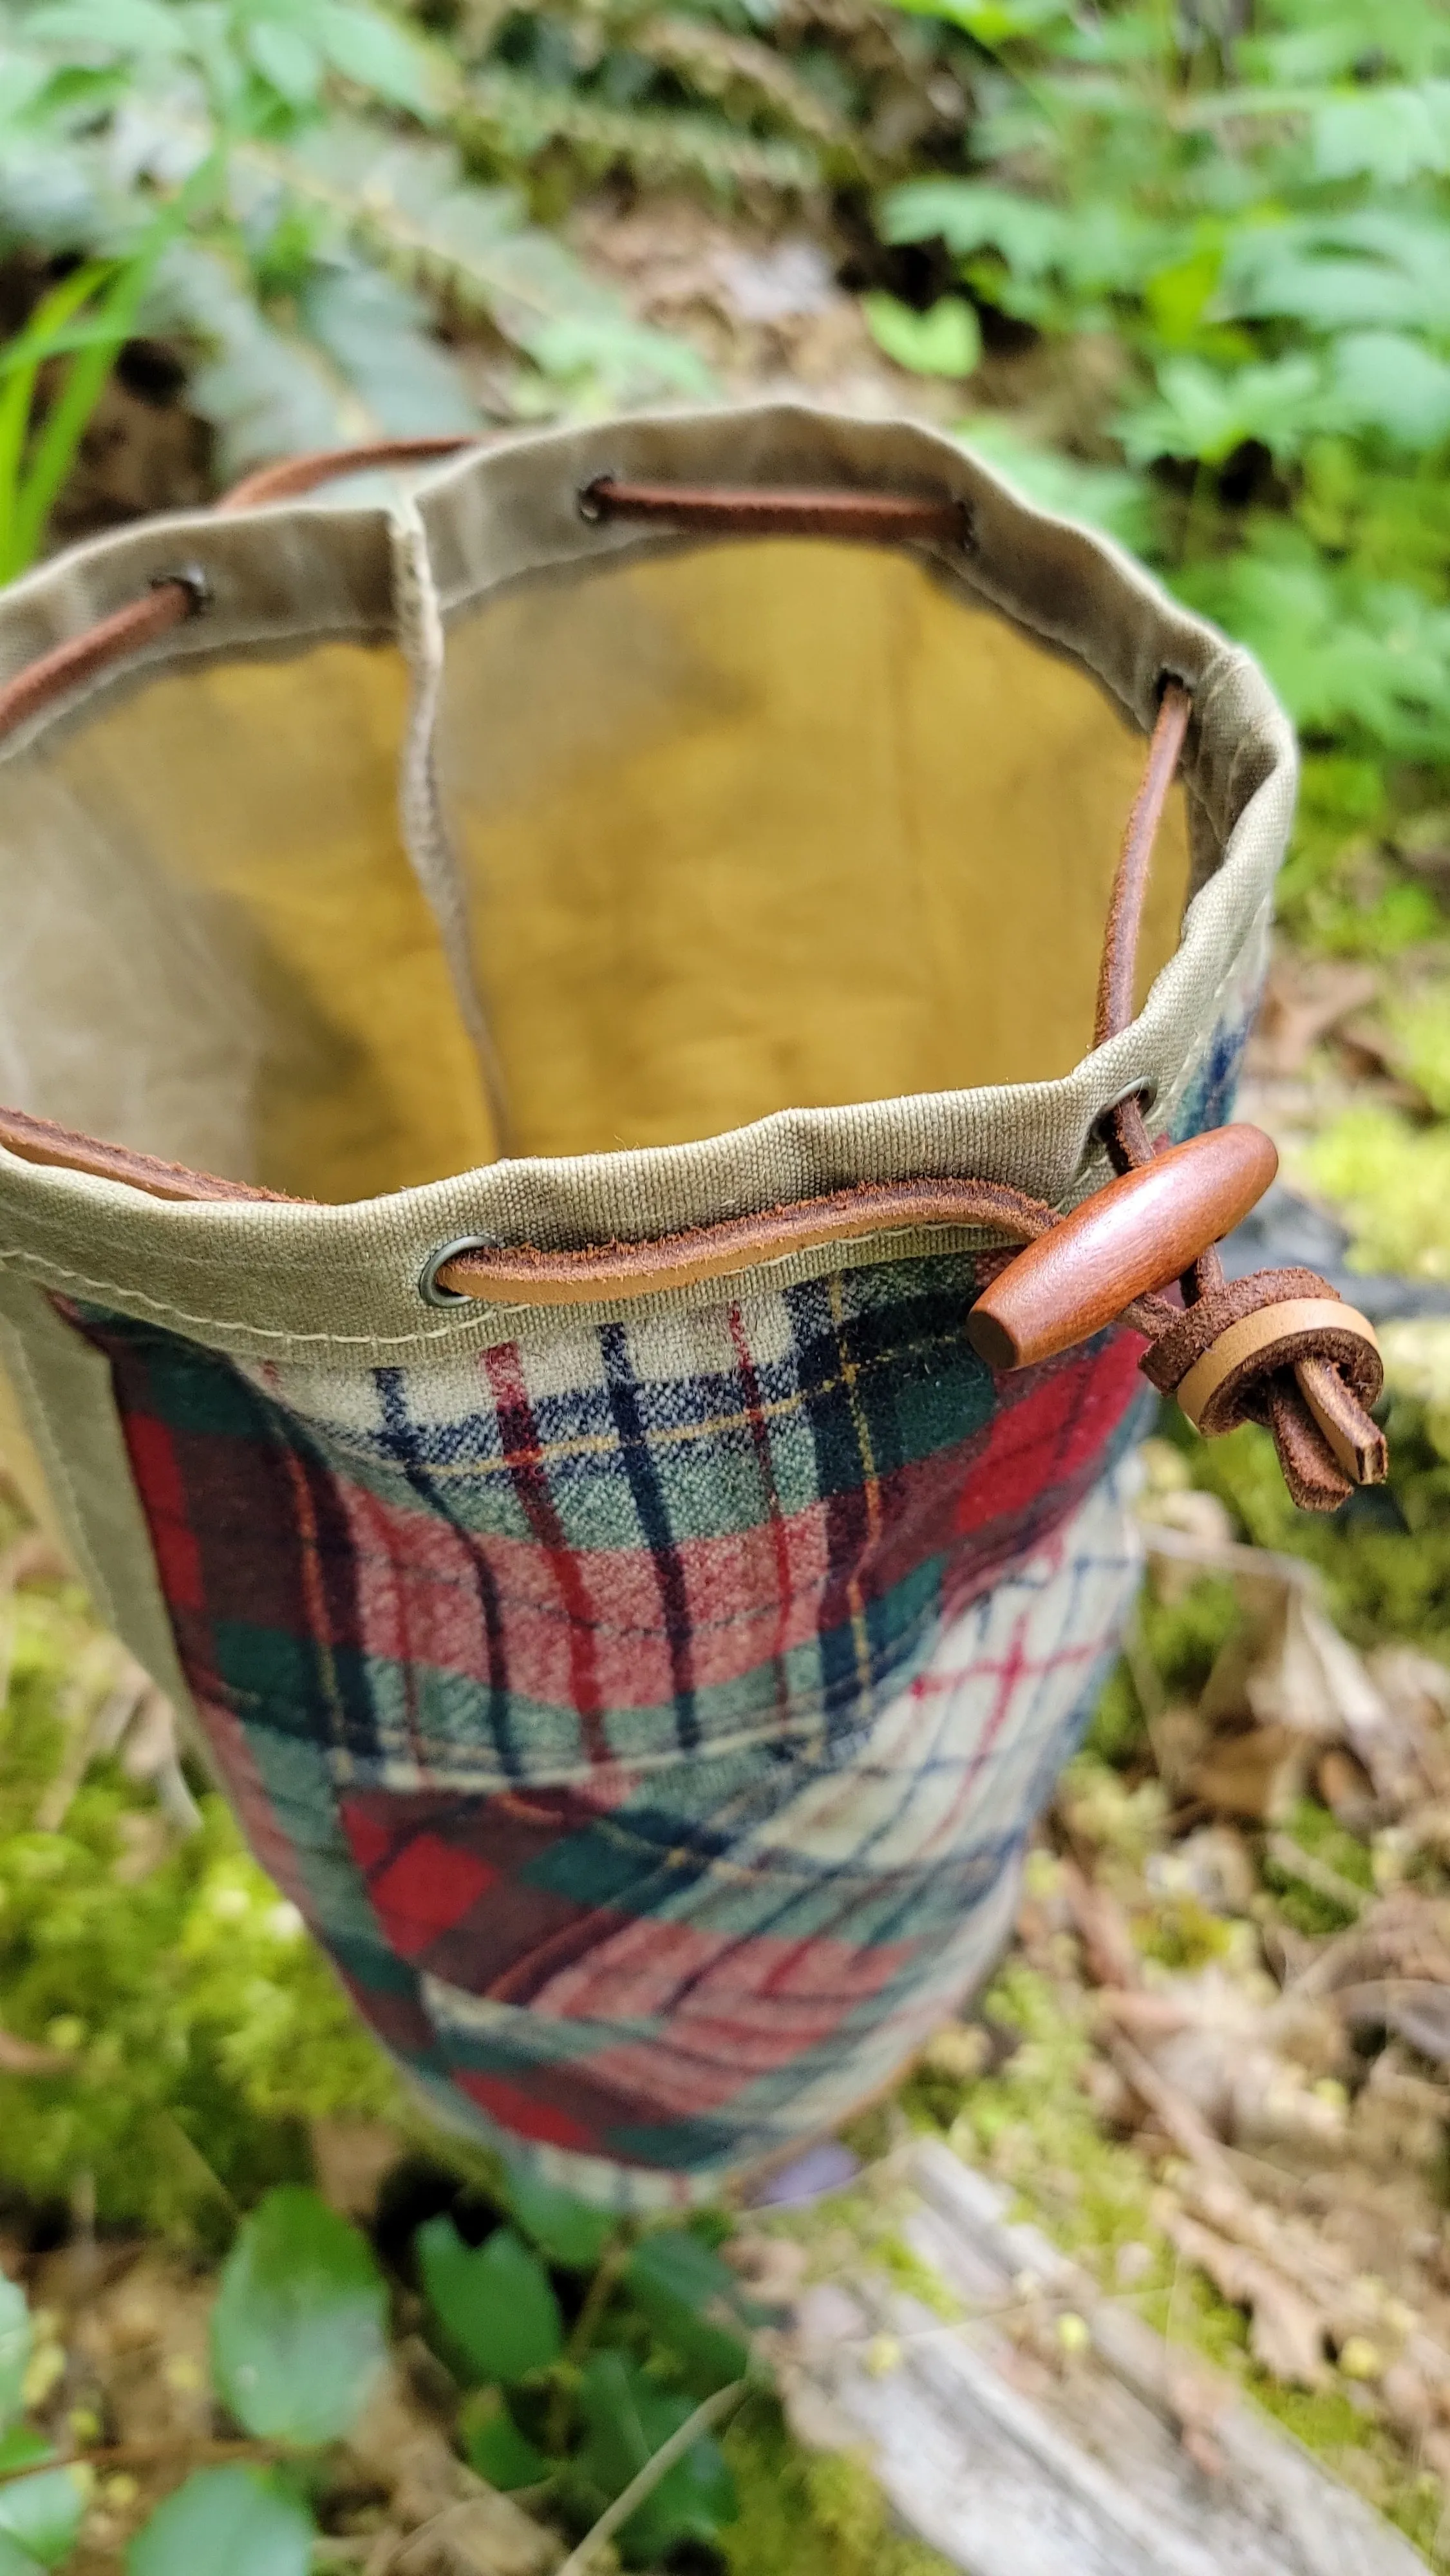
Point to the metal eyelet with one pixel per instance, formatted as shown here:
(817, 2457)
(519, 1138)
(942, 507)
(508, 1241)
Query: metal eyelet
(192, 579)
(590, 500)
(429, 1289)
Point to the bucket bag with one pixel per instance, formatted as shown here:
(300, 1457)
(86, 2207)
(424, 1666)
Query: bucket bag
(610, 1138)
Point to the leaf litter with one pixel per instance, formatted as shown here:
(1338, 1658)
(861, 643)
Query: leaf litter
(1216, 2063)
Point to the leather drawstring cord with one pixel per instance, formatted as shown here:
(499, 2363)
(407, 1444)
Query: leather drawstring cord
(1279, 1348)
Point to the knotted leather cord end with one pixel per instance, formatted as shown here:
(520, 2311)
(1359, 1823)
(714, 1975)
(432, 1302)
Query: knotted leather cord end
(1283, 1349)
(1280, 1348)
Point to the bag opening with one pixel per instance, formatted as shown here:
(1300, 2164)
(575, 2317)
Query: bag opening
(744, 825)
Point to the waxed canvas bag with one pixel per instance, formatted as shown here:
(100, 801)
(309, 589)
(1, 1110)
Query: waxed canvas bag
(540, 1011)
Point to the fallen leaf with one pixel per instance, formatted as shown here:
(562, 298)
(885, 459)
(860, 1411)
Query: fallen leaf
(1347, 1790)
(24, 2057)
(351, 2158)
(481, 2535)
(1260, 1775)
(1417, 2010)
(1286, 2330)
(1304, 999)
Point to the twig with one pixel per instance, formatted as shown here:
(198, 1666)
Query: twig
(596, 2300)
(645, 2480)
(1229, 1556)
(92, 1727)
(1189, 2132)
(157, 2454)
(27, 2057)
(1325, 1881)
(171, 2127)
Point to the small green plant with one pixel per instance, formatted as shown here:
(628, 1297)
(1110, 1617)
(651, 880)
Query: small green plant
(41, 2505)
(620, 2404)
(91, 314)
(297, 2345)
(660, 2340)
(186, 2030)
(275, 186)
(1238, 242)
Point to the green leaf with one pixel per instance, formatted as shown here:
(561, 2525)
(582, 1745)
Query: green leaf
(946, 341)
(376, 333)
(970, 215)
(15, 2561)
(408, 205)
(628, 2417)
(143, 27)
(43, 2514)
(511, 118)
(225, 2522)
(298, 2328)
(1204, 414)
(494, 2301)
(286, 60)
(494, 2446)
(1363, 659)
(380, 56)
(1389, 133)
(1377, 265)
(267, 392)
(14, 2348)
(570, 2231)
(23, 2448)
(1387, 381)
(993, 23)
(694, 2303)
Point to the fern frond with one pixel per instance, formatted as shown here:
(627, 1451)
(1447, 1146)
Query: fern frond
(354, 359)
(409, 206)
(725, 66)
(265, 393)
(514, 118)
(869, 39)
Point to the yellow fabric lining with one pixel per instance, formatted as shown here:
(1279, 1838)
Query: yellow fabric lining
(275, 786)
(771, 824)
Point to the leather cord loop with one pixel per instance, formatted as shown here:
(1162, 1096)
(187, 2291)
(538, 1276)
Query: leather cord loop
(295, 476)
(872, 518)
(1280, 1349)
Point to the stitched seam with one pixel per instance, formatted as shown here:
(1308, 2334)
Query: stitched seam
(504, 1319)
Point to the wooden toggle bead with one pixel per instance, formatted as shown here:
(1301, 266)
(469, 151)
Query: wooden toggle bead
(1136, 1235)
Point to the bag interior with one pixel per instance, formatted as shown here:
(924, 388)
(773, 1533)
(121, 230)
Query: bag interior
(742, 826)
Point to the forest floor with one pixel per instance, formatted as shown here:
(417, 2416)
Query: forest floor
(1215, 2065)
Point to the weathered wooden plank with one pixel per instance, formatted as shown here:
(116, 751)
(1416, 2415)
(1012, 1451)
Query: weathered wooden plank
(1011, 2468)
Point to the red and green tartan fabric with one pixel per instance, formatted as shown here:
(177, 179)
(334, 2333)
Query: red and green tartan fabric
(647, 1722)
(648, 1718)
